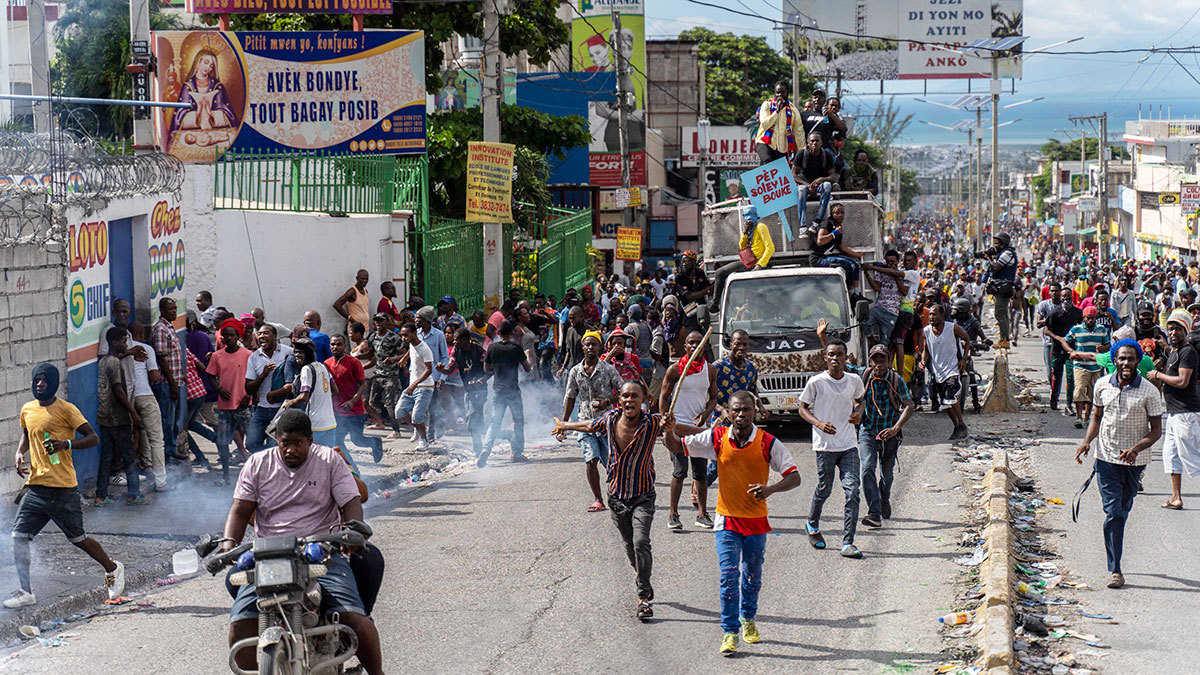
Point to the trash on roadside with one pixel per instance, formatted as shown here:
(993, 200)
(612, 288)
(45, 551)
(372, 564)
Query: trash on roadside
(29, 631)
(1054, 500)
(1054, 620)
(119, 601)
(52, 642)
(974, 559)
(166, 582)
(51, 624)
(1090, 615)
(1031, 624)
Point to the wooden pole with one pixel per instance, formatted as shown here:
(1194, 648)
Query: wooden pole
(693, 357)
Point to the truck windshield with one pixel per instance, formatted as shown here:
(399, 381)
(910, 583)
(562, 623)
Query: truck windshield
(781, 304)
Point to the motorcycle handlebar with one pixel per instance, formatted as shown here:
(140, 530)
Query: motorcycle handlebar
(217, 563)
(350, 538)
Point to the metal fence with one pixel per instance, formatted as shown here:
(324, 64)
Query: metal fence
(311, 181)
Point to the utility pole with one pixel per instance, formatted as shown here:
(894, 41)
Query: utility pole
(1102, 229)
(493, 233)
(978, 178)
(622, 110)
(995, 89)
(702, 130)
(140, 71)
(796, 58)
(39, 64)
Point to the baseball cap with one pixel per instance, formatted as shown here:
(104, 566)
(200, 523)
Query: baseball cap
(878, 349)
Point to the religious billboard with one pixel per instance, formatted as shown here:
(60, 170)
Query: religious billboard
(350, 92)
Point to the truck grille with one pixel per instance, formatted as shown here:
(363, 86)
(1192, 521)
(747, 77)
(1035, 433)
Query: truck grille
(782, 382)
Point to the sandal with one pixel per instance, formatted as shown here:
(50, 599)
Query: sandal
(1173, 506)
(597, 507)
(815, 538)
(644, 610)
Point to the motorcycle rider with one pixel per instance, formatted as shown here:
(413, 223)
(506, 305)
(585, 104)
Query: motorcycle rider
(965, 317)
(301, 489)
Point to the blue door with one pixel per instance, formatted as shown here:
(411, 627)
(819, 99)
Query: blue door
(662, 235)
(120, 261)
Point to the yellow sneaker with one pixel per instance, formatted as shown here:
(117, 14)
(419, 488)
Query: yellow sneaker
(729, 644)
(750, 632)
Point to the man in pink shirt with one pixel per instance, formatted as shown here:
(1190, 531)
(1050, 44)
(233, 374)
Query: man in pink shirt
(300, 489)
(228, 365)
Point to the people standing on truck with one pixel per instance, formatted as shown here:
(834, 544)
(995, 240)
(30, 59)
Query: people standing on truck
(696, 402)
(815, 171)
(755, 248)
(829, 248)
(778, 118)
(832, 402)
(887, 280)
(830, 125)
(861, 175)
(947, 348)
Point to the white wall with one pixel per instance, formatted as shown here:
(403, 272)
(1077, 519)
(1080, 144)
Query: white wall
(300, 261)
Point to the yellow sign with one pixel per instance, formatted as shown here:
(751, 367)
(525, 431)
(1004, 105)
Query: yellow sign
(629, 243)
(489, 182)
(1168, 198)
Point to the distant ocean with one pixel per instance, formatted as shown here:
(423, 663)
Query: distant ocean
(1038, 120)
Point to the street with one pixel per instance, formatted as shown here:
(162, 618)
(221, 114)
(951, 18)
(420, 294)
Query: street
(502, 570)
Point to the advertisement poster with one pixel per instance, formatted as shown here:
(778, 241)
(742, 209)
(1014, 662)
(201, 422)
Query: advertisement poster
(1189, 197)
(629, 243)
(489, 182)
(461, 89)
(723, 184)
(728, 146)
(357, 92)
(893, 39)
(88, 300)
(592, 38)
(289, 6)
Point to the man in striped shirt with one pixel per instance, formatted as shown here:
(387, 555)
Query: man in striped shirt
(1088, 337)
(630, 434)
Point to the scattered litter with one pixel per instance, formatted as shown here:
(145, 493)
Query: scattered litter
(1092, 652)
(81, 617)
(1090, 615)
(1054, 620)
(143, 605)
(974, 559)
(1045, 566)
(52, 642)
(51, 625)
(167, 581)
(29, 631)
(1096, 643)
(119, 601)
(1054, 500)
(1032, 624)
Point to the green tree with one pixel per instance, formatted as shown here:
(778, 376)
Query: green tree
(742, 72)
(536, 135)
(533, 27)
(909, 189)
(92, 38)
(884, 125)
(1056, 151)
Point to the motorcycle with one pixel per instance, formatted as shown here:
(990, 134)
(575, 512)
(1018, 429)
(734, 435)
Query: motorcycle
(294, 638)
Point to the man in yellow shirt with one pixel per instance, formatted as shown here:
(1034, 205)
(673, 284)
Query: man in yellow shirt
(53, 428)
(755, 248)
(778, 120)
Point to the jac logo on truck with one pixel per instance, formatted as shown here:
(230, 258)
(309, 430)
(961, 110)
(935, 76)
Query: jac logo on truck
(784, 344)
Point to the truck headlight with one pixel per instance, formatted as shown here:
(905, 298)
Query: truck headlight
(276, 572)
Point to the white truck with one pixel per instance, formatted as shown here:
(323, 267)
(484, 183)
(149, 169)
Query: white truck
(779, 306)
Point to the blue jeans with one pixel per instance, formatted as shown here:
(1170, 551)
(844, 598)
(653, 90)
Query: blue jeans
(825, 191)
(1048, 357)
(415, 406)
(510, 400)
(848, 264)
(353, 426)
(748, 550)
(229, 421)
(476, 401)
(193, 424)
(872, 453)
(257, 438)
(118, 441)
(167, 409)
(326, 437)
(846, 462)
(1118, 485)
(881, 324)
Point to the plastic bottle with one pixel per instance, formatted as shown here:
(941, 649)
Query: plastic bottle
(48, 445)
(955, 618)
(1027, 590)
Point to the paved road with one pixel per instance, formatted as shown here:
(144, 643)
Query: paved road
(1160, 549)
(501, 570)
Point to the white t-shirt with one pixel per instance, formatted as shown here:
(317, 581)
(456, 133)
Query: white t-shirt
(912, 278)
(137, 373)
(832, 401)
(254, 367)
(315, 378)
(418, 355)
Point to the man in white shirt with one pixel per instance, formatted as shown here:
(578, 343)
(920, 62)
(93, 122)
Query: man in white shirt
(260, 375)
(832, 402)
(139, 375)
(413, 407)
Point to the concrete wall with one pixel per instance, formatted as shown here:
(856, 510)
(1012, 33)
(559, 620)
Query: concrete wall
(32, 329)
(300, 261)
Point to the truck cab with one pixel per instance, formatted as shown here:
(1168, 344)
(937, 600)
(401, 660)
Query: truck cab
(779, 306)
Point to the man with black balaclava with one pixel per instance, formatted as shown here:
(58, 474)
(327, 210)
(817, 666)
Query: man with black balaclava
(1003, 268)
(53, 428)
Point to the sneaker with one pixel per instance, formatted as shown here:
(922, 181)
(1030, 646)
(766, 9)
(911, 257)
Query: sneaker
(872, 521)
(115, 580)
(20, 598)
(99, 503)
(482, 461)
(377, 453)
(520, 457)
(422, 444)
(750, 631)
(673, 522)
(1078, 423)
(703, 520)
(886, 509)
(414, 438)
(140, 500)
(1116, 581)
(815, 538)
(851, 551)
(729, 644)
(118, 479)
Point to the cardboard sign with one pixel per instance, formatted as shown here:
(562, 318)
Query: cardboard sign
(629, 243)
(770, 187)
(489, 182)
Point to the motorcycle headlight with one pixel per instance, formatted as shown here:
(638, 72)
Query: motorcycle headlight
(276, 572)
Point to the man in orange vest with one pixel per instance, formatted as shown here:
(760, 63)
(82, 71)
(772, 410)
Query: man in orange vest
(745, 456)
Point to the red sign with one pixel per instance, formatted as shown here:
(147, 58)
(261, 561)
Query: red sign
(604, 168)
(290, 6)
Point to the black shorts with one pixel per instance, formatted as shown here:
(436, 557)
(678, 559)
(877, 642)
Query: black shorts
(680, 462)
(947, 391)
(42, 504)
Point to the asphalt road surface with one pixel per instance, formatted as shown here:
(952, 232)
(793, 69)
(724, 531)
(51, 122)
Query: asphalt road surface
(502, 570)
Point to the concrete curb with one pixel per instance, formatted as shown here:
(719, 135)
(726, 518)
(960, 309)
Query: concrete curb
(142, 578)
(996, 573)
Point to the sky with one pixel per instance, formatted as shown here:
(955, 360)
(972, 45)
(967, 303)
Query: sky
(1071, 85)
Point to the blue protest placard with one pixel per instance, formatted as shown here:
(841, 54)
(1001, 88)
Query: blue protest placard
(771, 190)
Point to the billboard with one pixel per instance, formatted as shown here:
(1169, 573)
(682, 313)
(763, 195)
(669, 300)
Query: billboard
(728, 146)
(893, 39)
(461, 89)
(288, 6)
(604, 152)
(591, 38)
(358, 92)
